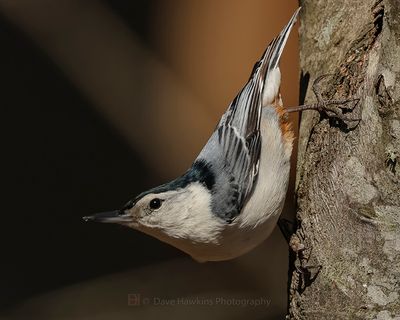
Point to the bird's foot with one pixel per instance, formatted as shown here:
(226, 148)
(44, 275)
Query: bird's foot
(332, 108)
(287, 227)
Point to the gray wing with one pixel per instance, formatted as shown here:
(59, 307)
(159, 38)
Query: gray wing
(233, 151)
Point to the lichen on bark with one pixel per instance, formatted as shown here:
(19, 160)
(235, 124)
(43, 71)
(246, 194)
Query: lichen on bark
(348, 176)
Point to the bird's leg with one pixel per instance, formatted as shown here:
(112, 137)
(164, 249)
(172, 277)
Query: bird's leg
(287, 228)
(307, 272)
(331, 107)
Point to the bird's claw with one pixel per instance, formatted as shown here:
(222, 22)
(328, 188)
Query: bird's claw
(336, 108)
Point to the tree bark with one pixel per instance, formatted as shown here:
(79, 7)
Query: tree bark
(346, 249)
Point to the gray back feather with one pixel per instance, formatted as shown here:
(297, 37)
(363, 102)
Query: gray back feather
(233, 151)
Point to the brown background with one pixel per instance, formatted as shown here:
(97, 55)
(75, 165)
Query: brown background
(101, 100)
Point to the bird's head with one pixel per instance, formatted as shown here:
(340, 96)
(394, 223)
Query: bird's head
(178, 213)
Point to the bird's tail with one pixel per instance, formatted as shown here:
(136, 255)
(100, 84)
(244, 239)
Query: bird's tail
(276, 46)
(268, 64)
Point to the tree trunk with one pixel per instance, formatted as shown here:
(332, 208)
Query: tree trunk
(346, 250)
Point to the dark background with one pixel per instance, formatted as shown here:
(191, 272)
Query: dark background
(63, 161)
(67, 155)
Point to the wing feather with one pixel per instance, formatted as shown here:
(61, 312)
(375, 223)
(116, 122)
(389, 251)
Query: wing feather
(234, 149)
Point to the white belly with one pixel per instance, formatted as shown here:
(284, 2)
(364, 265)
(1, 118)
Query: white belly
(269, 194)
(261, 212)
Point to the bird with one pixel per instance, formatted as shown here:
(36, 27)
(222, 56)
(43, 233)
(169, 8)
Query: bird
(228, 202)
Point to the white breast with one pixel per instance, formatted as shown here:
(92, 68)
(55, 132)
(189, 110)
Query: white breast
(261, 212)
(259, 216)
(269, 194)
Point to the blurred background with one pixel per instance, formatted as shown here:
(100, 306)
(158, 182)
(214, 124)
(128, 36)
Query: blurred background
(101, 100)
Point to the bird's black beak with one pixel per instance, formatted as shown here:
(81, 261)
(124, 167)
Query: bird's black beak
(117, 216)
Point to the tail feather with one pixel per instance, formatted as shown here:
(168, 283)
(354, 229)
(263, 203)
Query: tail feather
(277, 49)
(269, 63)
(244, 113)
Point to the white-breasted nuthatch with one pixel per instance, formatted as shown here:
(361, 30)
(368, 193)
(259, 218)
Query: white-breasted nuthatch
(229, 201)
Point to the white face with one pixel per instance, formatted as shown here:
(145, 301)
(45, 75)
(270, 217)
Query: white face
(177, 216)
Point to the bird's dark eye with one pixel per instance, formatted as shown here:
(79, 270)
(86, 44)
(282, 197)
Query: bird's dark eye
(155, 203)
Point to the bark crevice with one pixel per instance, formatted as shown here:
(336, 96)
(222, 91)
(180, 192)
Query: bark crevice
(345, 254)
